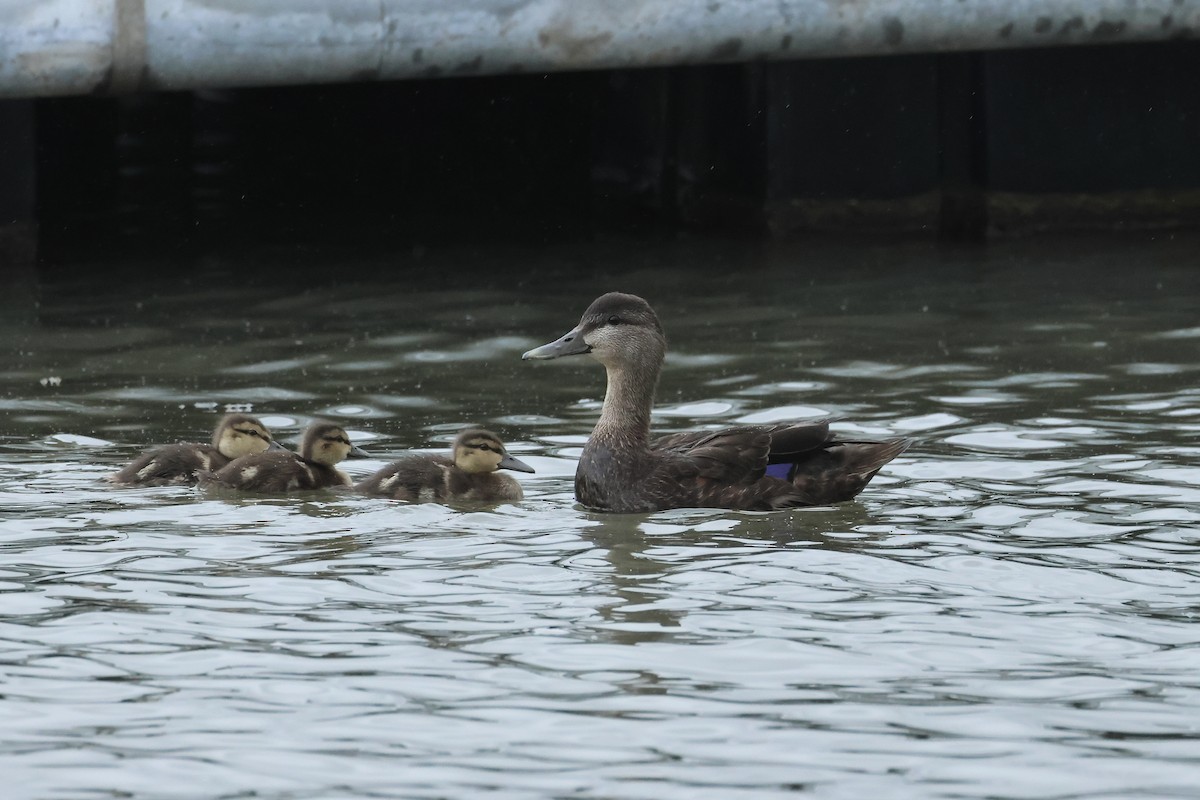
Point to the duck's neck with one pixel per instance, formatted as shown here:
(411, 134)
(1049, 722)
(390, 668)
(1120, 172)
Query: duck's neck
(627, 403)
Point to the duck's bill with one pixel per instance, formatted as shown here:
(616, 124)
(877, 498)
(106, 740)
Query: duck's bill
(571, 344)
(515, 464)
(274, 445)
(358, 452)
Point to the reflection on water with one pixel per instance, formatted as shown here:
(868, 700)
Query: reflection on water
(1009, 610)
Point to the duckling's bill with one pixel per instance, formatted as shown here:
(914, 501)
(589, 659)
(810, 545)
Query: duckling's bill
(515, 464)
(570, 344)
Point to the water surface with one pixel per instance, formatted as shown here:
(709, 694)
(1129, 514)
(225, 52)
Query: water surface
(1008, 611)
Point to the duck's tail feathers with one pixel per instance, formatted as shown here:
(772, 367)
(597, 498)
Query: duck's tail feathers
(841, 470)
(868, 457)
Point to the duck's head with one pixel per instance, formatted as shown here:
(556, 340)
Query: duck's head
(477, 451)
(242, 435)
(327, 443)
(617, 329)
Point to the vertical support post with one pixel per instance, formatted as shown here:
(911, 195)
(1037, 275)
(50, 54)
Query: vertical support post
(720, 147)
(962, 147)
(18, 183)
(853, 145)
(633, 148)
(152, 194)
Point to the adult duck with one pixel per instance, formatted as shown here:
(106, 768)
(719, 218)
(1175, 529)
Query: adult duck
(751, 467)
(325, 445)
(469, 473)
(236, 435)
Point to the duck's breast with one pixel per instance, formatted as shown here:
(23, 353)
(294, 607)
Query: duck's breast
(611, 477)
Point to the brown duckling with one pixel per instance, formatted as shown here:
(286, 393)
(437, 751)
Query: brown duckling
(236, 435)
(469, 473)
(325, 444)
(752, 467)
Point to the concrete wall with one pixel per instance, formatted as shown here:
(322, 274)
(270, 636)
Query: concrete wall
(63, 47)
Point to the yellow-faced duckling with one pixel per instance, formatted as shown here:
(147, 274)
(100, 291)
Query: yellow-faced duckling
(325, 444)
(236, 435)
(752, 467)
(469, 473)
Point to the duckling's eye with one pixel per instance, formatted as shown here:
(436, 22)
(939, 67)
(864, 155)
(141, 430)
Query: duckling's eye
(483, 447)
(614, 320)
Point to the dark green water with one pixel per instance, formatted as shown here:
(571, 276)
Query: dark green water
(1008, 611)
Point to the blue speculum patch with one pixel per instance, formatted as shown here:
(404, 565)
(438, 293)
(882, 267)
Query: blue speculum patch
(780, 471)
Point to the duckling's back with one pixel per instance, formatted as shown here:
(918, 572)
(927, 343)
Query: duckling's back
(170, 465)
(415, 478)
(487, 487)
(275, 472)
(435, 478)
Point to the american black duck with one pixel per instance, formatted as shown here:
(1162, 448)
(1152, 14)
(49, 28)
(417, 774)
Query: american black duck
(751, 467)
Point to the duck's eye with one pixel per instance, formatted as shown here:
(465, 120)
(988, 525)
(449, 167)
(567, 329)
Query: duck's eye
(614, 320)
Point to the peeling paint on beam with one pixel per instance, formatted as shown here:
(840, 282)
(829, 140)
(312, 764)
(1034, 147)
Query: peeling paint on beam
(50, 47)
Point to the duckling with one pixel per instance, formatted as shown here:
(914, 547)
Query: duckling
(325, 444)
(750, 467)
(468, 474)
(236, 435)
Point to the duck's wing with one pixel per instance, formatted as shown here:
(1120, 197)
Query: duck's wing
(744, 452)
(715, 469)
(791, 441)
(729, 455)
(769, 466)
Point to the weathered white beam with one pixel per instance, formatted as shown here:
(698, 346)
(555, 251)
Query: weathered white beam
(51, 47)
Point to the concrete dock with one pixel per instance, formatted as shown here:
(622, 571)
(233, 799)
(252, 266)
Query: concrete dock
(63, 47)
